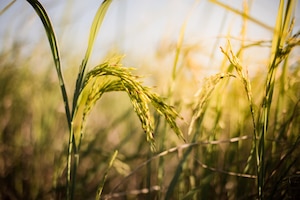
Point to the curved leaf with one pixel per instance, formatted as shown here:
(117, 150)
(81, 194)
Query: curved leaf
(41, 12)
(98, 19)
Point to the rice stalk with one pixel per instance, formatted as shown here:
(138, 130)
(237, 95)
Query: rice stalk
(178, 51)
(100, 188)
(109, 76)
(242, 14)
(243, 75)
(279, 52)
(198, 112)
(41, 12)
(175, 71)
(7, 7)
(98, 19)
(97, 22)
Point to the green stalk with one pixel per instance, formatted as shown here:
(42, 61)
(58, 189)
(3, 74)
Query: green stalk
(37, 6)
(281, 31)
(197, 119)
(98, 19)
(71, 171)
(97, 22)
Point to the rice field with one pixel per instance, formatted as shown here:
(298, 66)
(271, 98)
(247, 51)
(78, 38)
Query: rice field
(112, 131)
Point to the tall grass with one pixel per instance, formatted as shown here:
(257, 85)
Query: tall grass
(239, 137)
(107, 77)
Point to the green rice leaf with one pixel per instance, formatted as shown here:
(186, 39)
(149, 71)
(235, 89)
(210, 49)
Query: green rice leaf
(97, 22)
(101, 186)
(98, 19)
(41, 12)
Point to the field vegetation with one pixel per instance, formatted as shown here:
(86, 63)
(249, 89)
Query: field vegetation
(112, 131)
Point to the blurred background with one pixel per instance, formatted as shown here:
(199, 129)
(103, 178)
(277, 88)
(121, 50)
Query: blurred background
(141, 29)
(34, 132)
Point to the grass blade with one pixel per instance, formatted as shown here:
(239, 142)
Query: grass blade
(7, 7)
(281, 32)
(100, 189)
(242, 14)
(41, 12)
(98, 19)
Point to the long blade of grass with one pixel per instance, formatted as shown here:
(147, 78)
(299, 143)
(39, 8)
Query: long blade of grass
(41, 12)
(242, 14)
(264, 118)
(101, 186)
(97, 22)
(179, 48)
(7, 6)
(281, 31)
(98, 19)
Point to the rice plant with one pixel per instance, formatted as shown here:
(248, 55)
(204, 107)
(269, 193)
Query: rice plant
(107, 77)
(236, 137)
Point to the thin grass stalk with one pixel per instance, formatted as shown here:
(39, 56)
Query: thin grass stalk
(217, 42)
(149, 175)
(41, 12)
(101, 186)
(171, 88)
(161, 162)
(243, 74)
(280, 35)
(198, 116)
(242, 14)
(280, 105)
(55, 53)
(98, 19)
(179, 45)
(97, 22)
(7, 7)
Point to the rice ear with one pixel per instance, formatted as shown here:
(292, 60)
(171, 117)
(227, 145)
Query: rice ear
(111, 76)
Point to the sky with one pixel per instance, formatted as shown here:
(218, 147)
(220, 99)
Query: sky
(143, 28)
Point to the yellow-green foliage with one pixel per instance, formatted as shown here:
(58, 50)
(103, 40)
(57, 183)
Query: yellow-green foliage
(111, 76)
(240, 131)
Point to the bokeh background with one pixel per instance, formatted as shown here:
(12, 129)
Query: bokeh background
(34, 132)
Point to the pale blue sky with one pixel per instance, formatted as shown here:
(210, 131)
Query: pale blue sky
(136, 27)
